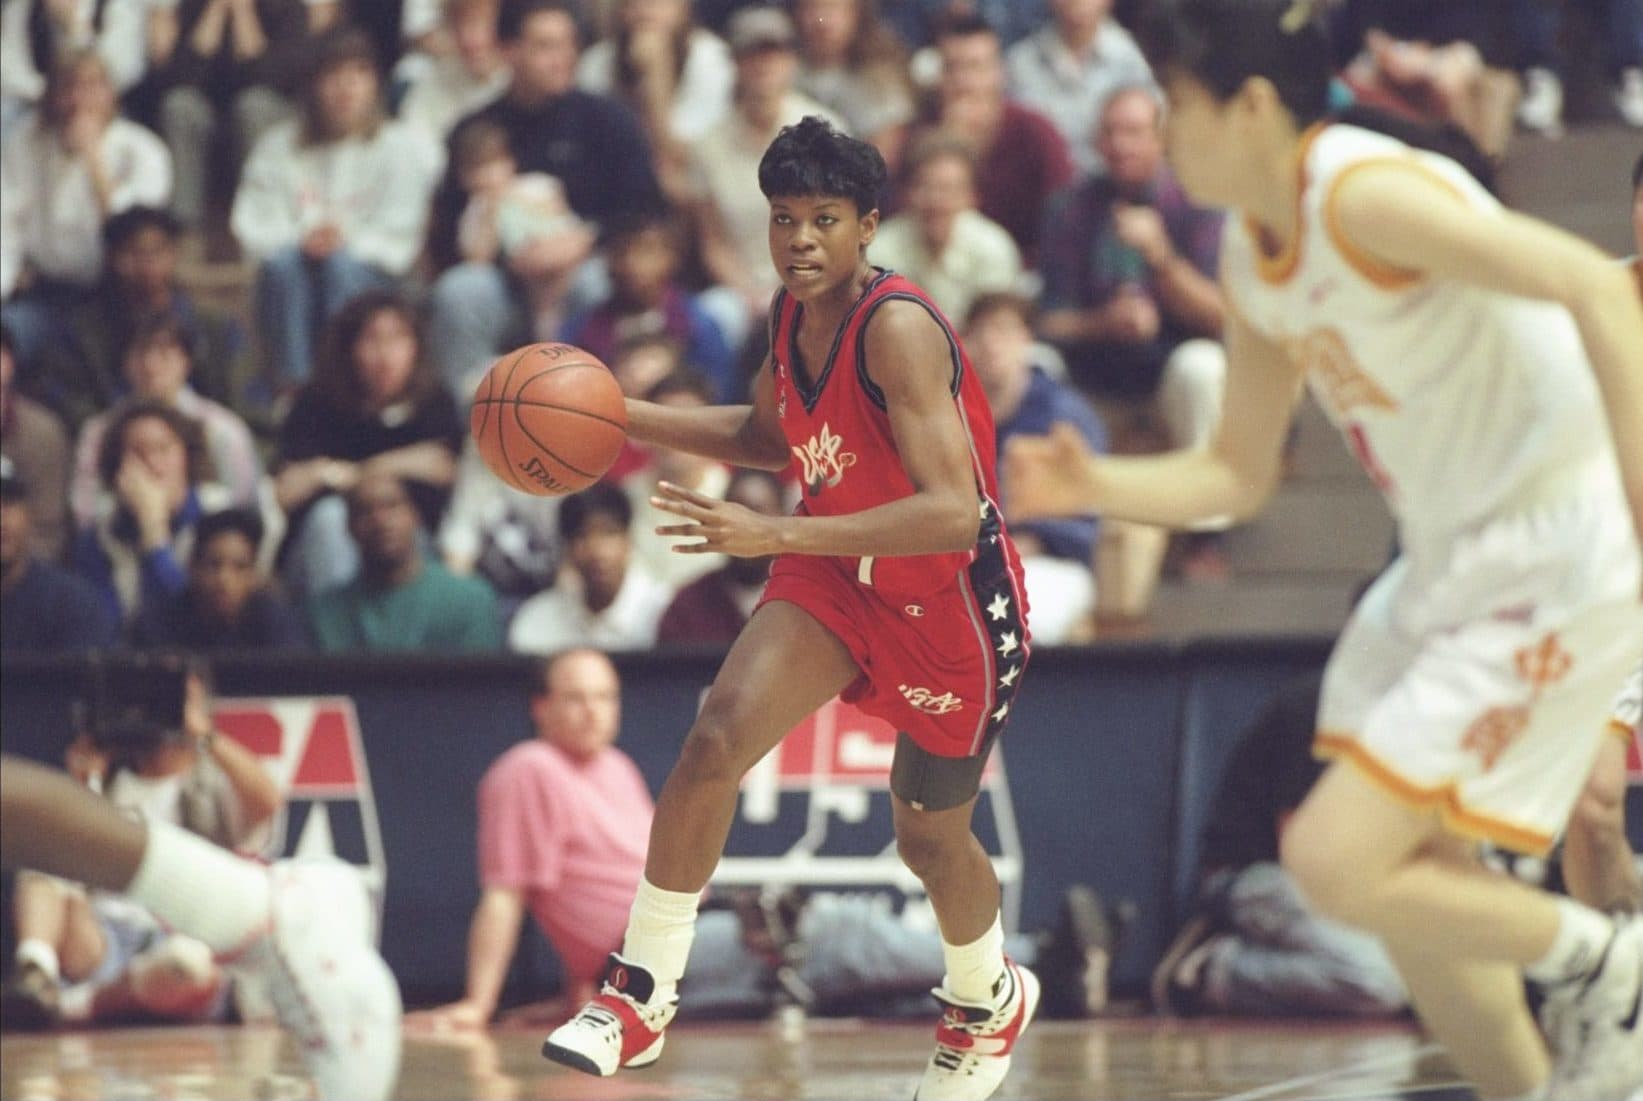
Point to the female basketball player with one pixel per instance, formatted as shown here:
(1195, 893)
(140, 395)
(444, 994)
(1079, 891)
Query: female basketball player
(1470, 356)
(895, 584)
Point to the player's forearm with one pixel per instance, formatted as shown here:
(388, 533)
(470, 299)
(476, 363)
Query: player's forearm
(724, 432)
(492, 937)
(922, 523)
(1610, 318)
(1178, 489)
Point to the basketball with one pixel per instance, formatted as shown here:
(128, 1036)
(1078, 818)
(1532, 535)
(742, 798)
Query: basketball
(548, 419)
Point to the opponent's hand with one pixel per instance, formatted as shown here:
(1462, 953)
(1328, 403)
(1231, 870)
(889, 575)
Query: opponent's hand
(722, 526)
(1053, 475)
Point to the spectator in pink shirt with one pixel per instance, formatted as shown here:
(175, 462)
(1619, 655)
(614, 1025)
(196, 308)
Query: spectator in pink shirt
(564, 821)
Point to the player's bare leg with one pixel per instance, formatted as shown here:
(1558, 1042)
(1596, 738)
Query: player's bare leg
(1366, 858)
(1598, 865)
(305, 926)
(782, 667)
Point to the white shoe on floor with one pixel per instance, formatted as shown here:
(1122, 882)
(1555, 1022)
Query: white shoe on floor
(618, 1028)
(330, 988)
(974, 1041)
(1600, 1024)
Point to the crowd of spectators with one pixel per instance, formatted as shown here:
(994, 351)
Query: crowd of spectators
(411, 188)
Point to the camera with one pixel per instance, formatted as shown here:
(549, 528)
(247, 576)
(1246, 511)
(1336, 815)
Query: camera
(133, 704)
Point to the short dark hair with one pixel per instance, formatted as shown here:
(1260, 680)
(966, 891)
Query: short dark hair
(810, 158)
(599, 499)
(626, 225)
(335, 374)
(228, 521)
(161, 328)
(187, 429)
(999, 302)
(1223, 43)
(510, 24)
(121, 229)
(962, 22)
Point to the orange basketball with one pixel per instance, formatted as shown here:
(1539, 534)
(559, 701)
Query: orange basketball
(548, 419)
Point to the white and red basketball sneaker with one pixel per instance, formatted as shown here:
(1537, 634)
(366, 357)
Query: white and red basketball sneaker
(1599, 1029)
(618, 1028)
(330, 988)
(974, 1041)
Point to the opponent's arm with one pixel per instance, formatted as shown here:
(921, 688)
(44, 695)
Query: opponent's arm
(1407, 217)
(743, 435)
(912, 365)
(1058, 475)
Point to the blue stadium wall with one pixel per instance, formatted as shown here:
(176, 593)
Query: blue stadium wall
(1112, 755)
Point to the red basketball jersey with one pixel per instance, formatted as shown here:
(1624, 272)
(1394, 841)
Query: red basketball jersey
(843, 447)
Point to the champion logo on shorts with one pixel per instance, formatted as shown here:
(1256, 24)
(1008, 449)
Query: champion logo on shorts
(922, 699)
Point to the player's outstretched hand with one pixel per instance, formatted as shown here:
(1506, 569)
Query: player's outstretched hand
(721, 526)
(1053, 475)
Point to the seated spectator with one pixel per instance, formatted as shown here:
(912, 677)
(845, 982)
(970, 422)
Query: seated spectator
(158, 365)
(675, 75)
(34, 443)
(228, 604)
(155, 473)
(34, 33)
(652, 553)
(1021, 157)
(509, 214)
(331, 204)
(915, 21)
(374, 404)
(470, 74)
(591, 144)
(221, 63)
(713, 609)
(940, 240)
(1448, 84)
(1537, 26)
(508, 539)
(644, 254)
(564, 820)
(1253, 946)
(401, 598)
(603, 599)
(1058, 556)
(63, 174)
(852, 63)
(731, 215)
(1129, 277)
(641, 362)
(43, 608)
(84, 369)
(1068, 67)
(86, 956)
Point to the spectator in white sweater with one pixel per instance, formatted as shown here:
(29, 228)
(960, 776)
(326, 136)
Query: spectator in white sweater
(473, 72)
(33, 32)
(62, 175)
(331, 204)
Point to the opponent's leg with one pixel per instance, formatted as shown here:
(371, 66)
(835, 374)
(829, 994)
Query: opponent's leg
(782, 667)
(1598, 865)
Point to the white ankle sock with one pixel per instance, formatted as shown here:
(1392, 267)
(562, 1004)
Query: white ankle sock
(40, 954)
(1582, 934)
(973, 969)
(661, 926)
(199, 889)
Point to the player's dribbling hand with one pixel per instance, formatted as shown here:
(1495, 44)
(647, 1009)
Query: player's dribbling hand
(722, 527)
(1053, 475)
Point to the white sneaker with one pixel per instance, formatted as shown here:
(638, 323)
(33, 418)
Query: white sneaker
(1600, 1024)
(1541, 108)
(974, 1042)
(618, 1028)
(331, 990)
(1628, 97)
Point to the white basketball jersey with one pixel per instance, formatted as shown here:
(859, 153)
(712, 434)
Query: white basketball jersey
(1461, 403)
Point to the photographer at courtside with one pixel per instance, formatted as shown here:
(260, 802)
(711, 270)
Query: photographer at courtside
(146, 741)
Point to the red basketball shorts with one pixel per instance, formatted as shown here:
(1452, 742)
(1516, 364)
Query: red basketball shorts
(943, 669)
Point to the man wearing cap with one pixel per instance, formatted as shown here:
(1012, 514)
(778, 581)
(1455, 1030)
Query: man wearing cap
(724, 164)
(43, 607)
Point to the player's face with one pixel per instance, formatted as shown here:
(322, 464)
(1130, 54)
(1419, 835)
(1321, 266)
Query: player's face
(817, 242)
(580, 710)
(225, 574)
(1196, 140)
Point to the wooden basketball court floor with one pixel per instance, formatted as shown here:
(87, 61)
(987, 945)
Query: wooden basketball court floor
(1116, 1060)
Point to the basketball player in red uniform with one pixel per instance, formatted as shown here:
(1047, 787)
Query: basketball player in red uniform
(895, 584)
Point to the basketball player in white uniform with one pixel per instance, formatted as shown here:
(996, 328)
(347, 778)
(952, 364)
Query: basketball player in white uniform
(1482, 366)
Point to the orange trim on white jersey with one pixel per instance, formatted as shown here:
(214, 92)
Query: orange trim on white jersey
(1386, 276)
(1280, 268)
(1445, 798)
(1623, 731)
